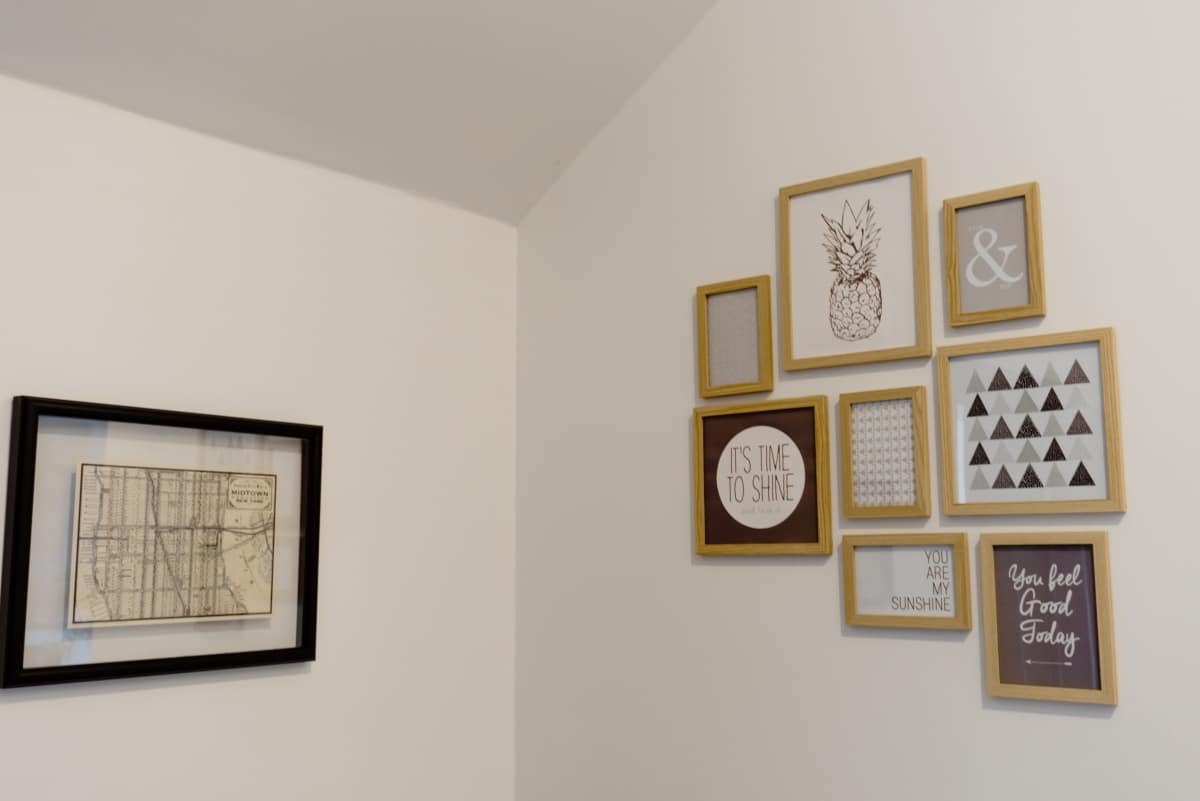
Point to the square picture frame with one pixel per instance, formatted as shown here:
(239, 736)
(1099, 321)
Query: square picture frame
(1031, 425)
(869, 228)
(143, 542)
(1036, 642)
(981, 286)
(733, 337)
(761, 478)
(892, 458)
(926, 576)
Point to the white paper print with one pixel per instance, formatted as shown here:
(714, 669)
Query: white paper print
(852, 268)
(760, 478)
(1029, 425)
(883, 461)
(905, 580)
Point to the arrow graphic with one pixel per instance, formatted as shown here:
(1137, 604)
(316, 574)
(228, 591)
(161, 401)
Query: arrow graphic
(1035, 662)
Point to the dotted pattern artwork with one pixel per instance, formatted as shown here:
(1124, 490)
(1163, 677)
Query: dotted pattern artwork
(883, 453)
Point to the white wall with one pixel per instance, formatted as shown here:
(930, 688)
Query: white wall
(647, 673)
(150, 266)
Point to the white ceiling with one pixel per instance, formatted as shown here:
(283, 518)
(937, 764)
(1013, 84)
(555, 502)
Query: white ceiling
(478, 103)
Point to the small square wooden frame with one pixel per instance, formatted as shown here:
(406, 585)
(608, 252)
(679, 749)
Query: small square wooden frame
(1107, 694)
(1033, 255)
(1114, 463)
(824, 544)
(766, 368)
(923, 344)
(920, 452)
(962, 581)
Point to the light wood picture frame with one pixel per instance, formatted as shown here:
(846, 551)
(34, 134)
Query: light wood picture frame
(1053, 594)
(887, 474)
(733, 339)
(926, 576)
(869, 228)
(1031, 425)
(993, 245)
(761, 478)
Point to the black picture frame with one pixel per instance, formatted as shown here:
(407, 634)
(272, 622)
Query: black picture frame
(14, 586)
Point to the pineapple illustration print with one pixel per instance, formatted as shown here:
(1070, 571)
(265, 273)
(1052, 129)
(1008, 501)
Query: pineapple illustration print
(856, 298)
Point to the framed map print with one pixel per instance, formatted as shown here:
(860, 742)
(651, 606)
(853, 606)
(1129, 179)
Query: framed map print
(884, 447)
(907, 581)
(994, 255)
(143, 541)
(733, 337)
(1031, 425)
(762, 478)
(1047, 609)
(854, 268)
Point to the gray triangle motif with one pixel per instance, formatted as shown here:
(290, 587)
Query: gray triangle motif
(1050, 378)
(1076, 401)
(1000, 406)
(1026, 404)
(1002, 455)
(975, 385)
(977, 433)
(1055, 478)
(1079, 452)
(1028, 454)
(980, 482)
(1053, 428)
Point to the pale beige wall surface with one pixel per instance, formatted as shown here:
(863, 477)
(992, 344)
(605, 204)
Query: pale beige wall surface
(149, 266)
(646, 673)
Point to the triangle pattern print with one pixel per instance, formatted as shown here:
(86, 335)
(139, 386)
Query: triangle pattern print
(1076, 376)
(976, 383)
(977, 433)
(1028, 429)
(1076, 401)
(1053, 428)
(1030, 480)
(1078, 425)
(1054, 453)
(977, 408)
(980, 456)
(999, 381)
(1000, 405)
(1003, 480)
(1082, 477)
(1050, 378)
(1026, 404)
(1002, 455)
(1052, 403)
(980, 481)
(1028, 454)
(1055, 479)
(1080, 451)
(1025, 380)
(1001, 431)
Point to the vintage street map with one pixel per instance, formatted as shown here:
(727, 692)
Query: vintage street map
(156, 545)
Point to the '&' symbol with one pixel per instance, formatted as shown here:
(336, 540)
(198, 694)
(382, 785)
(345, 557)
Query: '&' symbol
(982, 252)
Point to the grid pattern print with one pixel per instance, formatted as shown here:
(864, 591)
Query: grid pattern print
(882, 449)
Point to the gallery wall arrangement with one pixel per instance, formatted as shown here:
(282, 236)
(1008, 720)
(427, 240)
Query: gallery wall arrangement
(144, 541)
(1027, 425)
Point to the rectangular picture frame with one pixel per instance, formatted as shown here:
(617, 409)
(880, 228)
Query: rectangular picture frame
(979, 443)
(936, 572)
(165, 591)
(753, 496)
(916, 396)
(856, 305)
(988, 266)
(728, 348)
(1045, 653)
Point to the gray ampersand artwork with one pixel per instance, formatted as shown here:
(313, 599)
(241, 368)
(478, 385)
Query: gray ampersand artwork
(856, 298)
